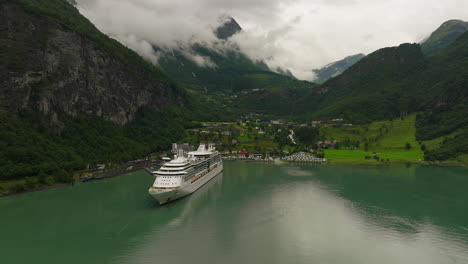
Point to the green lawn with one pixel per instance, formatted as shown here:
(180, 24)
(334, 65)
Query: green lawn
(386, 138)
(338, 156)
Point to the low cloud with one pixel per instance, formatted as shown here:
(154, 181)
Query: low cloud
(298, 35)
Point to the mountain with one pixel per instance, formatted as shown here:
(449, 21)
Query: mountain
(393, 82)
(71, 96)
(367, 90)
(447, 33)
(336, 68)
(49, 67)
(229, 28)
(229, 77)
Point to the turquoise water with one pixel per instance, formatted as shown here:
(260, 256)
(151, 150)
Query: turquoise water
(252, 213)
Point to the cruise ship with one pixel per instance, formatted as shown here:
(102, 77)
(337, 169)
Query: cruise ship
(186, 173)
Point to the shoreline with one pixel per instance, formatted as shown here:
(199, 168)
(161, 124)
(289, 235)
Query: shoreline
(120, 172)
(96, 176)
(332, 163)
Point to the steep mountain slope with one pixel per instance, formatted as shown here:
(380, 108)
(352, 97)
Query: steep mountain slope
(47, 67)
(370, 89)
(228, 76)
(447, 101)
(71, 96)
(336, 68)
(223, 69)
(447, 33)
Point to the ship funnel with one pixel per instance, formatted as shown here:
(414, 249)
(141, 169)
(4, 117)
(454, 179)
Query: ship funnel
(211, 147)
(202, 147)
(181, 153)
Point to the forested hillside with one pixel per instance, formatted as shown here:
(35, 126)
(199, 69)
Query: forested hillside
(70, 96)
(371, 89)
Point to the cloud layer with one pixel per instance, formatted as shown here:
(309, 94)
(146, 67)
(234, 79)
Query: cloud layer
(298, 35)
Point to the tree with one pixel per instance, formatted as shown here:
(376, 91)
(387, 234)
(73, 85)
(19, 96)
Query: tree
(423, 147)
(62, 176)
(307, 135)
(42, 177)
(408, 146)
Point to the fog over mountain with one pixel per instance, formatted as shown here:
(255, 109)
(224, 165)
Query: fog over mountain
(298, 35)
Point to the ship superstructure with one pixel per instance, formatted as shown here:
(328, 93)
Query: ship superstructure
(186, 173)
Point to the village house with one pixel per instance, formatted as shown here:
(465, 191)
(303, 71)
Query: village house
(327, 144)
(257, 155)
(277, 122)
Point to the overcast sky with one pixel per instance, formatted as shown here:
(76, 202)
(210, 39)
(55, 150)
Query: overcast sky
(299, 35)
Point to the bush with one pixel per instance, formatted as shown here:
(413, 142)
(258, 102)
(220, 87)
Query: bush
(320, 155)
(18, 187)
(62, 176)
(49, 180)
(42, 177)
(31, 182)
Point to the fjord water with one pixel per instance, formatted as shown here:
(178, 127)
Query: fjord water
(252, 213)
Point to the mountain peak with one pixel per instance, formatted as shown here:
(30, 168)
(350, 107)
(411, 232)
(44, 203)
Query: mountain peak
(447, 33)
(336, 68)
(228, 28)
(454, 22)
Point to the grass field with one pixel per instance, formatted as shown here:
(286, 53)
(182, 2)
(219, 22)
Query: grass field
(388, 139)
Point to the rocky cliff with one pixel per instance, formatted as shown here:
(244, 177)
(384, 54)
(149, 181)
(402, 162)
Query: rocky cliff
(229, 28)
(47, 67)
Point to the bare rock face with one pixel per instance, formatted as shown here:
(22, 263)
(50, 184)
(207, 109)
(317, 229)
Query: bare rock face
(46, 67)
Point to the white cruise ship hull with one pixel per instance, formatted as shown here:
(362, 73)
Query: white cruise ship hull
(168, 195)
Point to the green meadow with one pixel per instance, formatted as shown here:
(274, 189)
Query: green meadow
(391, 141)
